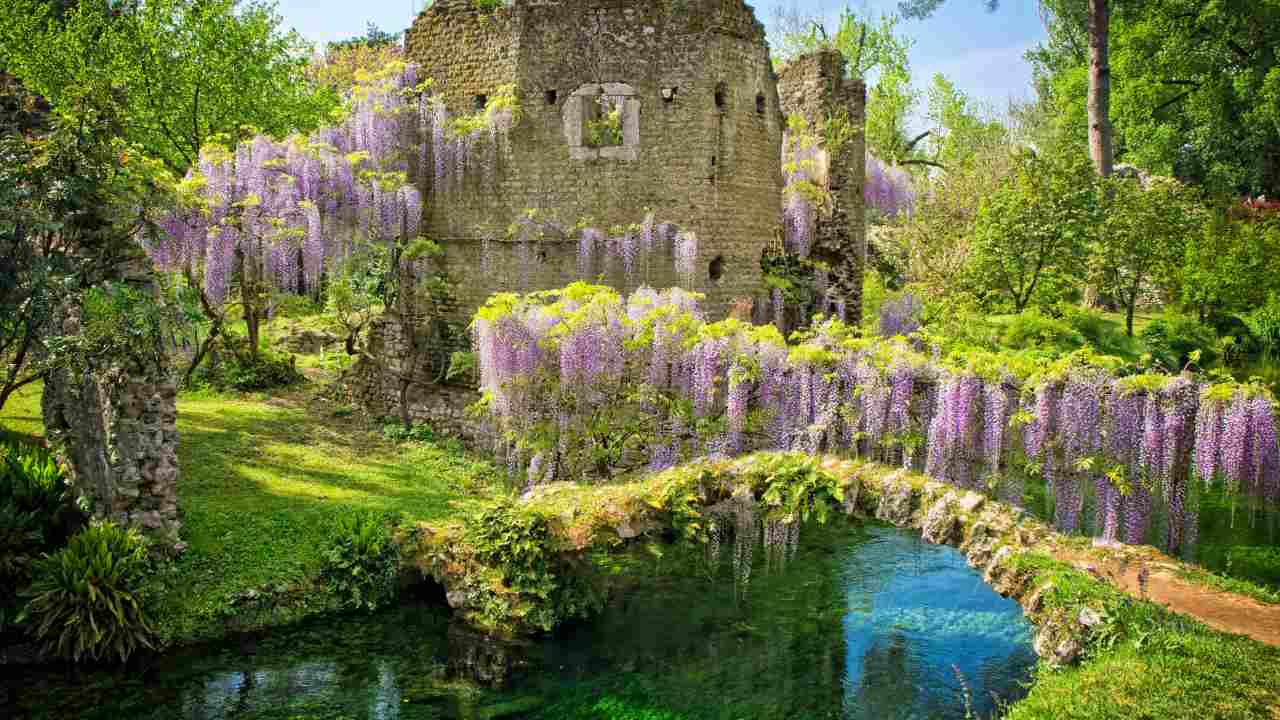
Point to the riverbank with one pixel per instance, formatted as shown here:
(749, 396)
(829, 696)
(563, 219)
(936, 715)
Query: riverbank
(264, 478)
(1105, 642)
(263, 481)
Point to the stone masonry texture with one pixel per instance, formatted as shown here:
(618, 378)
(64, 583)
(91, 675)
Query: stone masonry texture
(115, 426)
(702, 138)
(815, 87)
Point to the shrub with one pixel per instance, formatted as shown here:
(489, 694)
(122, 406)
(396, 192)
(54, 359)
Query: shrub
(1172, 340)
(393, 429)
(1264, 325)
(20, 544)
(244, 372)
(518, 543)
(1032, 330)
(86, 600)
(32, 481)
(1098, 331)
(36, 516)
(362, 561)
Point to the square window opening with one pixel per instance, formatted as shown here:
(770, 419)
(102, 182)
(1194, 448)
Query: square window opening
(602, 121)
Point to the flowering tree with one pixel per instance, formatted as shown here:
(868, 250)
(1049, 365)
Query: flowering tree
(889, 190)
(264, 217)
(579, 382)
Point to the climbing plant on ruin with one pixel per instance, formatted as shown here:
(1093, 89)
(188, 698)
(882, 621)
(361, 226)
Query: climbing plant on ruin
(582, 383)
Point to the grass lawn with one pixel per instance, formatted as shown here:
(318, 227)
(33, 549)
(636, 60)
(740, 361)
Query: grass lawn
(21, 414)
(263, 482)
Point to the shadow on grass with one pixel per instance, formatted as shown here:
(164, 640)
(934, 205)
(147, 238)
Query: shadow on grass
(263, 484)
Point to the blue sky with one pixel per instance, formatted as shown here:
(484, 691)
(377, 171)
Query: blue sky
(981, 52)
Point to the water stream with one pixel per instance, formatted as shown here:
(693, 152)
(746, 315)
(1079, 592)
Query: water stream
(862, 622)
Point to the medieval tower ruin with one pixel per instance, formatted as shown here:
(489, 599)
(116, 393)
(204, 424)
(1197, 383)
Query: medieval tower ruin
(701, 117)
(699, 147)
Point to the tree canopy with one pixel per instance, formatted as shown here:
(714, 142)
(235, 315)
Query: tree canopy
(1195, 89)
(184, 71)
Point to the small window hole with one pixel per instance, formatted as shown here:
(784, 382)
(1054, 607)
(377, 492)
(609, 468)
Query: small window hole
(715, 271)
(760, 104)
(480, 102)
(551, 97)
(721, 90)
(669, 93)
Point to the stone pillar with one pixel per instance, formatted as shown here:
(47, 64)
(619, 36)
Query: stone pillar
(114, 426)
(815, 87)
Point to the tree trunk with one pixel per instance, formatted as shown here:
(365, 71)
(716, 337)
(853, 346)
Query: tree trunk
(1100, 88)
(1128, 314)
(252, 317)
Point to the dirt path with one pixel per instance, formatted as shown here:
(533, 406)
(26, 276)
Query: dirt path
(1218, 609)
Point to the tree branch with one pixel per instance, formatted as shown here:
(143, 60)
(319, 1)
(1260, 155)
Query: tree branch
(930, 163)
(1172, 101)
(911, 144)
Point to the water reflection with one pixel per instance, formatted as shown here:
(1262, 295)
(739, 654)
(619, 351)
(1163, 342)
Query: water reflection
(862, 623)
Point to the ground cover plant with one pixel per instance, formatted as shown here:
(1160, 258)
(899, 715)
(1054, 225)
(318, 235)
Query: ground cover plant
(264, 483)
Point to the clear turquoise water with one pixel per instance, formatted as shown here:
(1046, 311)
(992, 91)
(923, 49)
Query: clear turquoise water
(863, 622)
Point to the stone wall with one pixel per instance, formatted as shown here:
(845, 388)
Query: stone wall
(378, 380)
(702, 149)
(702, 122)
(115, 426)
(815, 87)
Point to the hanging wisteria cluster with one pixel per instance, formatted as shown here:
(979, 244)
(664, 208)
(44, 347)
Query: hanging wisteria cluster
(582, 383)
(285, 209)
(889, 189)
(631, 248)
(467, 145)
(900, 315)
(803, 194)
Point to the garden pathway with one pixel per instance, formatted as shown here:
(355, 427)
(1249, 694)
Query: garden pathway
(1221, 610)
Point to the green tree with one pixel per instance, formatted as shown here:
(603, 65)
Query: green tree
(1033, 230)
(873, 50)
(183, 70)
(1141, 244)
(1230, 265)
(1196, 89)
(867, 45)
(958, 131)
(890, 104)
(1096, 16)
(73, 202)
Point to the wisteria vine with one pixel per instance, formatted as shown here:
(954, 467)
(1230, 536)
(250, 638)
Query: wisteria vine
(581, 382)
(280, 211)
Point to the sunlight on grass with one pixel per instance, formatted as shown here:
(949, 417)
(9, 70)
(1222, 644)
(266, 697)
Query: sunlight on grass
(21, 414)
(263, 480)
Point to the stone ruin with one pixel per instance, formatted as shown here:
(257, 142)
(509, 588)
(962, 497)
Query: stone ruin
(701, 115)
(115, 428)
